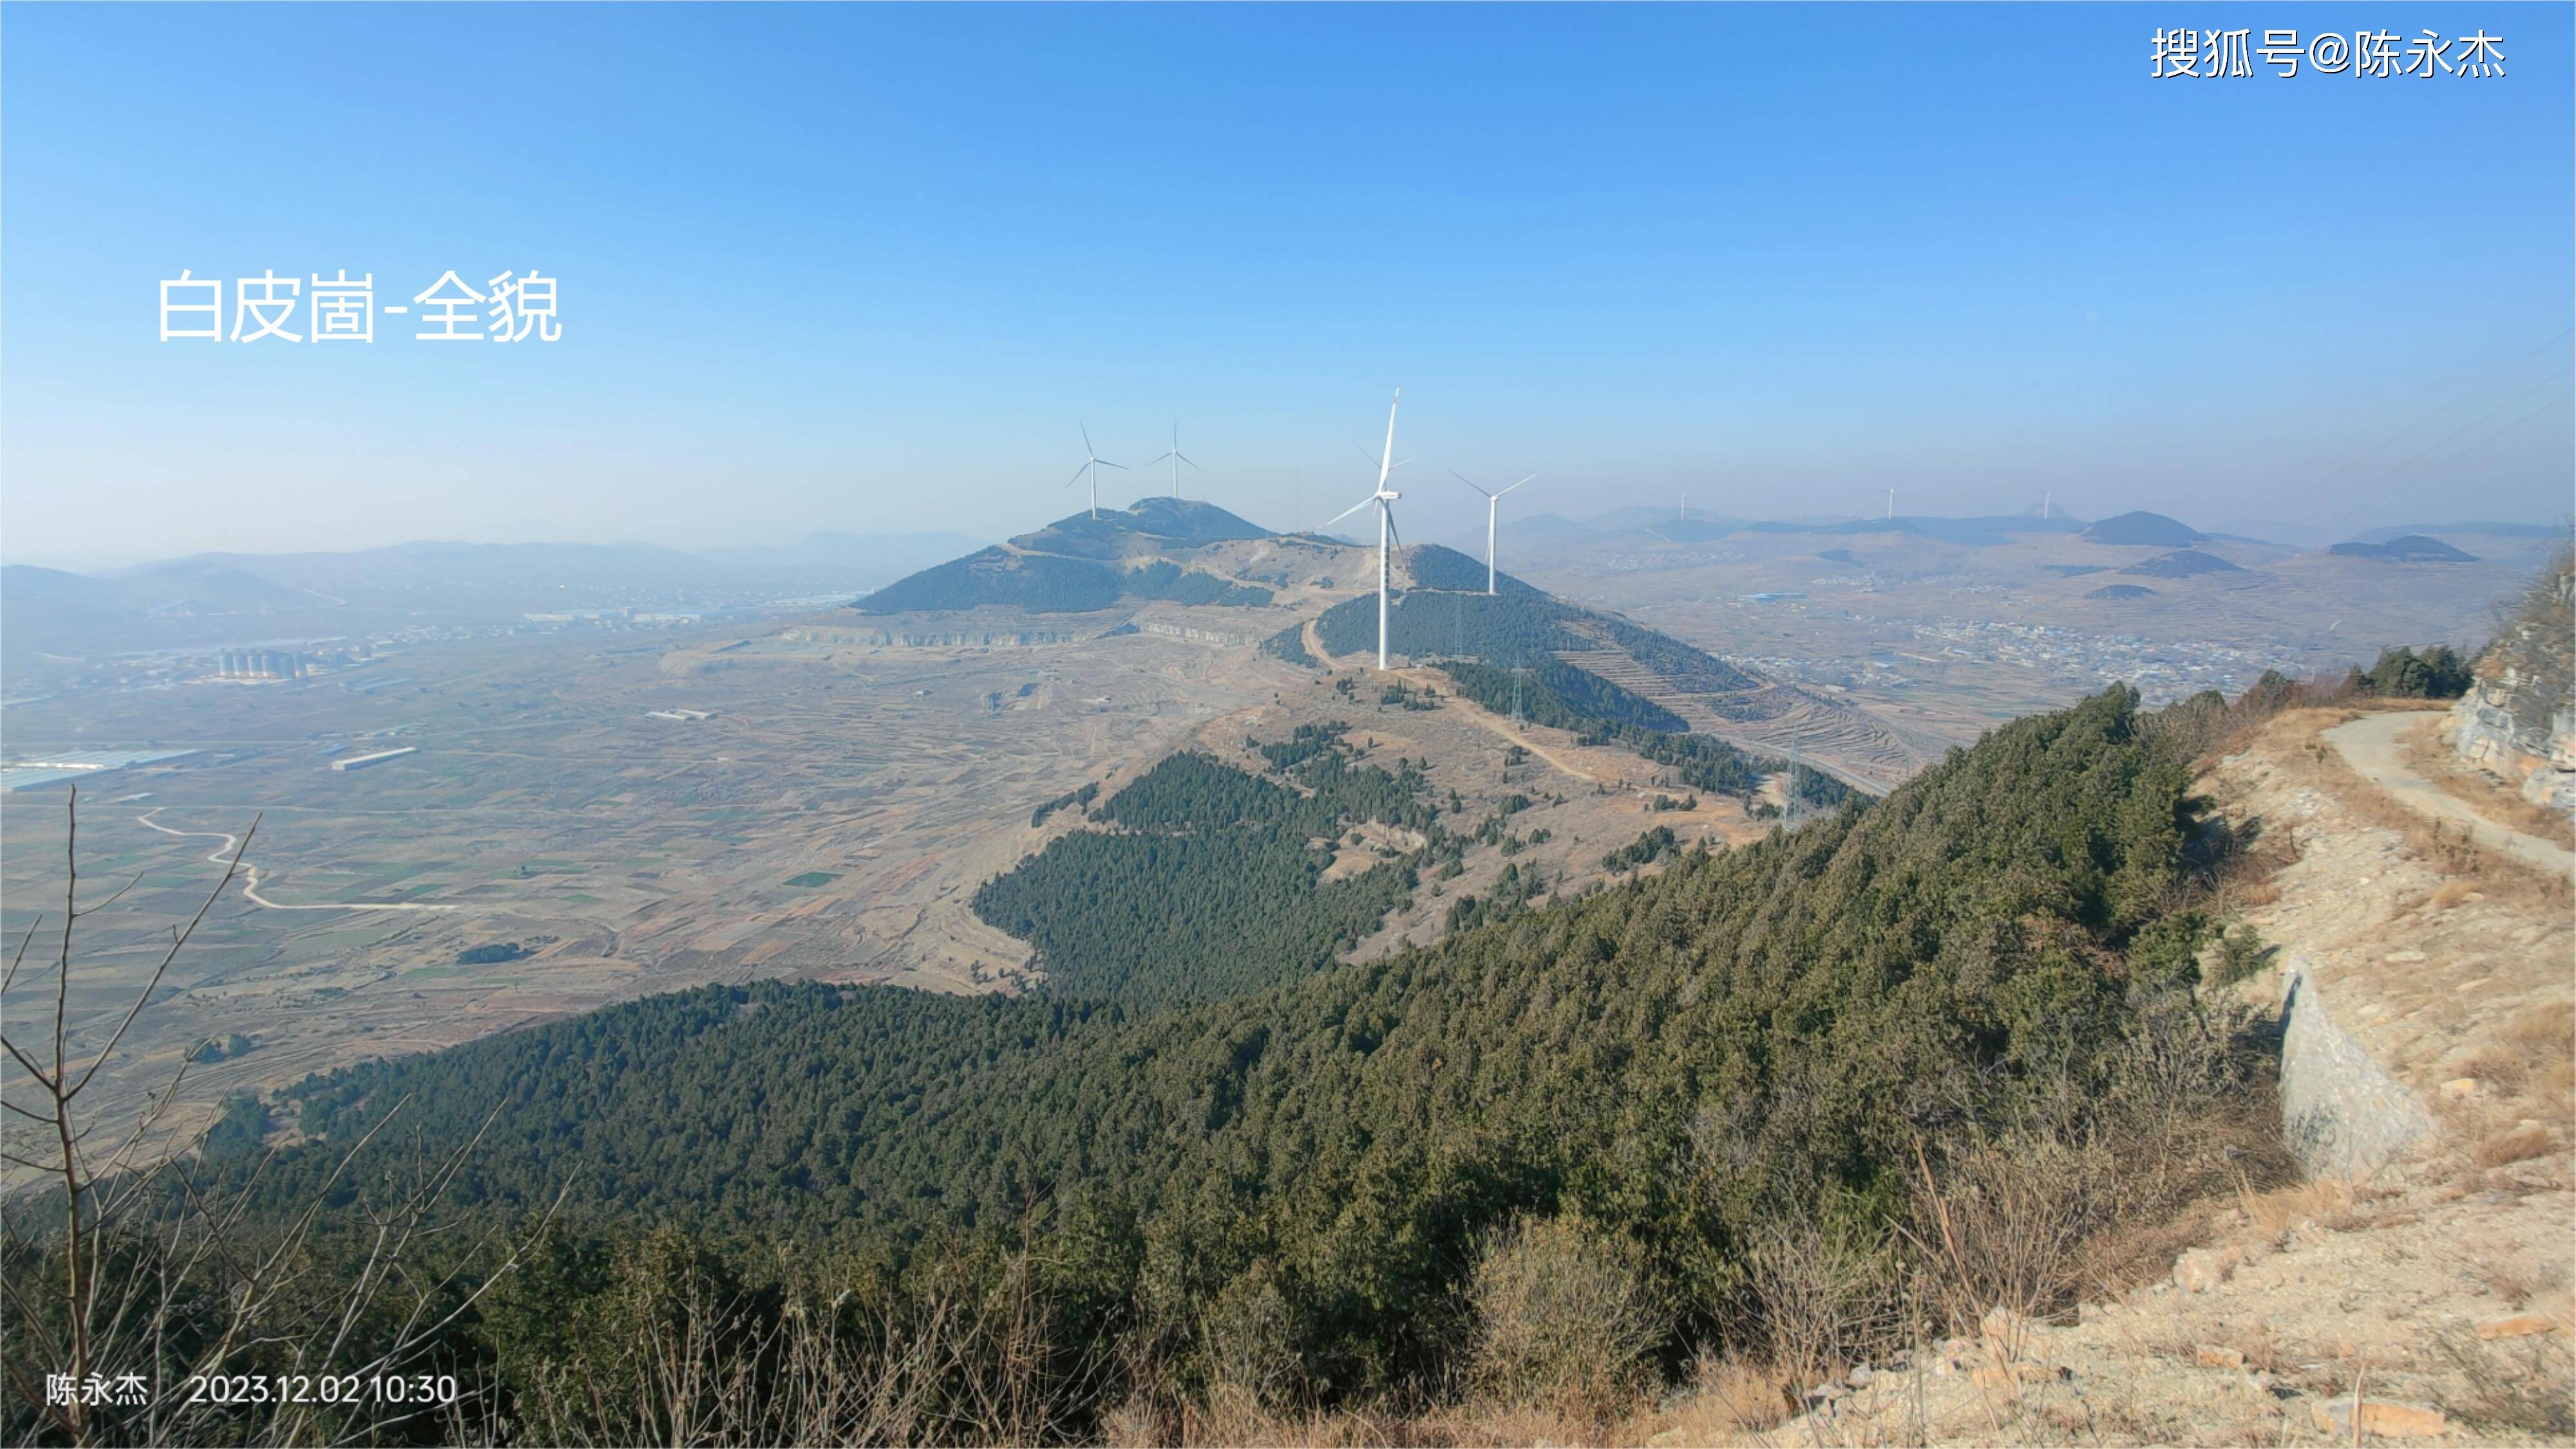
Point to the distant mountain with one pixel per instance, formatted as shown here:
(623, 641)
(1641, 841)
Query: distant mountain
(1666, 520)
(2182, 564)
(1080, 563)
(1146, 524)
(447, 579)
(1975, 532)
(47, 609)
(1036, 582)
(1434, 566)
(207, 584)
(233, 598)
(851, 559)
(2405, 548)
(1543, 525)
(2152, 530)
(2483, 530)
(2075, 571)
(50, 611)
(1697, 530)
(2122, 591)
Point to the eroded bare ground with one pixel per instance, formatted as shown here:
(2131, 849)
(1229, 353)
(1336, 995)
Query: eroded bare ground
(2437, 1289)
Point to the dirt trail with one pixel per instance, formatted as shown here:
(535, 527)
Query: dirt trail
(2372, 746)
(250, 874)
(1487, 719)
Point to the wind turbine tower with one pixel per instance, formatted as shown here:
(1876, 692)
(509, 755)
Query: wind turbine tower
(1096, 462)
(1178, 458)
(1891, 505)
(1386, 534)
(1493, 503)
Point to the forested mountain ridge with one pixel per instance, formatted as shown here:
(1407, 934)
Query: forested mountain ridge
(1681, 1065)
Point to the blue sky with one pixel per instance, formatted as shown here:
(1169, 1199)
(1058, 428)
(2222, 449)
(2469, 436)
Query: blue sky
(867, 268)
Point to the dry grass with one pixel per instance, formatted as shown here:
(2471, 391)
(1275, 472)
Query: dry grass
(2519, 1144)
(2522, 1385)
(2252, 894)
(2488, 796)
(1231, 1420)
(2542, 1041)
(1739, 1396)
(2546, 1032)
(2263, 1352)
(2326, 1201)
(1731, 1401)
(2451, 893)
(2293, 741)
(2498, 1068)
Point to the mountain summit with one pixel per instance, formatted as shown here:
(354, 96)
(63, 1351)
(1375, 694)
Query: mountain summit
(2153, 530)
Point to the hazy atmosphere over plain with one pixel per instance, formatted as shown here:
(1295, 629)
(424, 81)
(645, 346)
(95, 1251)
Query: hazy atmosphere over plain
(866, 270)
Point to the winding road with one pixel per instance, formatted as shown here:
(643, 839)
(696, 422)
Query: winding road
(2373, 747)
(250, 874)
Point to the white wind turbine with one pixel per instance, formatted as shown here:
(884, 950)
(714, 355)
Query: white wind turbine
(1493, 505)
(1178, 458)
(1383, 497)
(1093, 466)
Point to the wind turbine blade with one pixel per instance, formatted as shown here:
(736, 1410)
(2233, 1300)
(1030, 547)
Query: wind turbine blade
(1391, 467)
(1362, 451)
(1077, 475)
(1386, 459)
(1470, 482)
(1086, 440)
(1150, 462)
(1516, 485)
(1347, 512)
(1193, 462)
(1105, 463)
(1393, 532)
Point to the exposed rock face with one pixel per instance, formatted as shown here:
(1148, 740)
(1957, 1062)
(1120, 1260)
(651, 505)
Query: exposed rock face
(2518, 720)
(2342, 1113)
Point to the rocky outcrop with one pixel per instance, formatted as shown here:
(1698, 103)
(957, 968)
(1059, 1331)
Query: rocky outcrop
(2341, 1112)
(2518, 719)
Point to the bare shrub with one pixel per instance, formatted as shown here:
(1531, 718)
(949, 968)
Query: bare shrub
(131, 1267)
(1563, 1314)
(1251, 1343)
(2031, 1214)
(678, 1351)
(2012, 1218)
(1830, 1294)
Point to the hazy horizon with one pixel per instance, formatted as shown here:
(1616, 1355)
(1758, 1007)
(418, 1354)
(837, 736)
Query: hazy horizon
(1449, 533)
